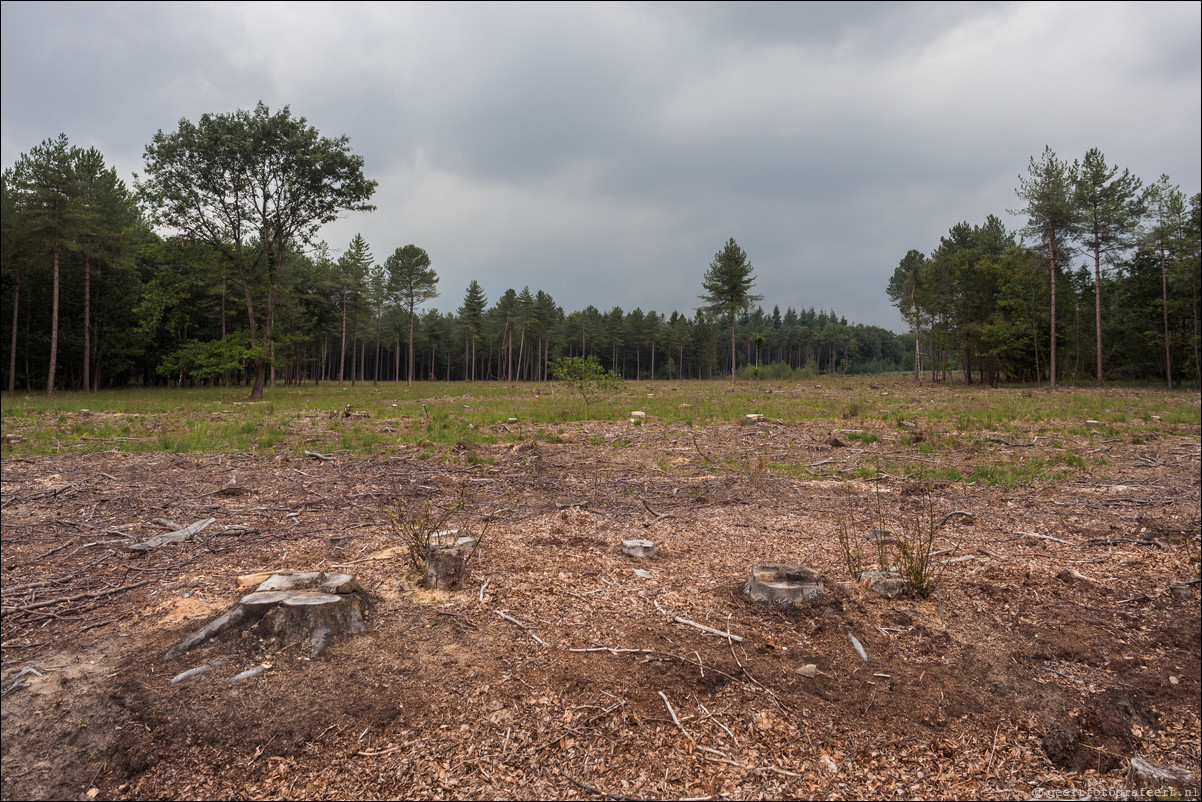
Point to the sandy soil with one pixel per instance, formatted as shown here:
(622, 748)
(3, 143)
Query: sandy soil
(1053, 652)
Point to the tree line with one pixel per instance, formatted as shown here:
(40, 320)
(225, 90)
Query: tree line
(209, 271)
(1101, 282)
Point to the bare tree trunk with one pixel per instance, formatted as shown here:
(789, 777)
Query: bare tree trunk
(375, 379)
(1097, 302)
(342, 344)
(1164, 292)
(732, 348)
(87, 324)
(917, 353)
(53, 330)
(410, 374)
(12, 348)
(1052, 269)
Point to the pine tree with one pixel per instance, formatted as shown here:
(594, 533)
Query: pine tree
(471, 314)
(44, 194)
(1051, 215)
(727, 284)
(1109, 210)
(411, 278)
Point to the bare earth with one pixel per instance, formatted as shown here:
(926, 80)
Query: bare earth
(1041, 667)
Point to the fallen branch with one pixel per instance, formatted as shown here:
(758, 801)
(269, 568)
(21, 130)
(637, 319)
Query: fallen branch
(377, 753)
(598, 791)
(177, 536)
(518, 623)
(1047, 537)
(318, 456)
(710, 630)
(955, 513)
(96, 594)
(675, 720)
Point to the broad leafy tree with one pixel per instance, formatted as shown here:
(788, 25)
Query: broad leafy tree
(727, 284)
(254, 185)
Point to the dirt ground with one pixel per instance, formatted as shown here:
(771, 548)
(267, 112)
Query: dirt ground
(1053, 652)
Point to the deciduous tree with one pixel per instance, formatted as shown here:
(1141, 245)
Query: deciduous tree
(253, 184)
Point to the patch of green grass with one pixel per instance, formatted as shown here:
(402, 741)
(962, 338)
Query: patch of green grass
(862, 437)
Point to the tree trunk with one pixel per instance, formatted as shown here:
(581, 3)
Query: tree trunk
(12, 348)
(1097, 302)
(732, 348)
(409, 375)
(87, 323)
(53, 330)
(375, 379)
(1164, 292)
(1052, 269)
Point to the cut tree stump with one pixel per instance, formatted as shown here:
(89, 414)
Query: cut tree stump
(294, 607)
(783, 584)
(639, 548)
(1147, 780)
(885, 583)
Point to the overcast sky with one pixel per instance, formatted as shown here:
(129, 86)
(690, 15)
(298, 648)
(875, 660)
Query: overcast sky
(604, 153)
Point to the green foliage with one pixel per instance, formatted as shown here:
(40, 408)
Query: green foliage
(727, 284)
(586, 376)
(252, 185)
(208, 361)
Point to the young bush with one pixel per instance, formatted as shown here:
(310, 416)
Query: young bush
(915, 546)
(430, 529)
(587, 376)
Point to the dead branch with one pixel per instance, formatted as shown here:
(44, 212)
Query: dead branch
(598, 791)
(953, 514)
(177, 536)
(710, 630)
(319, 456)
(1046, 537)
(675, 720)
(518, 623)
(96, 594)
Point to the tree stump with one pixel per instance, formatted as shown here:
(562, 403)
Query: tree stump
(311, 606)
(1146, 780)
(446, 568)
(783, 584)
(639, 548)
(885, 583)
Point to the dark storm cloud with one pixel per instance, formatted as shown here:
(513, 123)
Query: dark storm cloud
(604, 152)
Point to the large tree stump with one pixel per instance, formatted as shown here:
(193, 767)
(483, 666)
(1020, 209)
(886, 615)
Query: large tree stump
(311, 606)
(783, 584)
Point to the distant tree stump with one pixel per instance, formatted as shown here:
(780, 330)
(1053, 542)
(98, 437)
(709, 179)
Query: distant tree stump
(783, 584)
(293, 607)
(639, 548)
